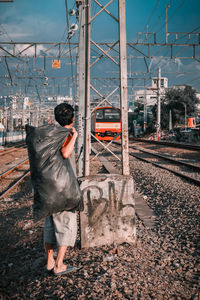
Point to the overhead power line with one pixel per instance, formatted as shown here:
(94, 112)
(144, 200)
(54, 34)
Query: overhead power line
(175, 12)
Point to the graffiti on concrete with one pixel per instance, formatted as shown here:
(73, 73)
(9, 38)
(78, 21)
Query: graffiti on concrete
(98, 205)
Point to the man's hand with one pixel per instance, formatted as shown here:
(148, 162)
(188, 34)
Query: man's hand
(74, 132)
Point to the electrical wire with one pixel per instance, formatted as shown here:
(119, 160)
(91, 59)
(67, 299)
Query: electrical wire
(151, 15)
(181, 4)
(166, 47)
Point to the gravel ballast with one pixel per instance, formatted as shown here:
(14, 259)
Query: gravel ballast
(163, 264)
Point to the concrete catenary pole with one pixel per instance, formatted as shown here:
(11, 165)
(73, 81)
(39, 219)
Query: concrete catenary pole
(145, 110)
(123, 87)
(158, 104)
(166, 29)
(81, 87)
(170, 120)
(114, 192)
(87, 92)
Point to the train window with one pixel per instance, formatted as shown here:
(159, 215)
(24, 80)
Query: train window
(108, 115)
(99, 115)
(112, 115)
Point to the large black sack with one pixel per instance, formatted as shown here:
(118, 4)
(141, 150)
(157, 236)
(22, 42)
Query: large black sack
(55, 185)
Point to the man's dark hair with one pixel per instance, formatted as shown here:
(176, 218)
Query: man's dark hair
(64, 114)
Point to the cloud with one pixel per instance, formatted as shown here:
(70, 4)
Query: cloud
(30, 28)
(193, 66)
(21, 48)
(168, 65)
(11, 32)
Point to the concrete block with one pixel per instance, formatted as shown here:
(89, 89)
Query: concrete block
(109, 210)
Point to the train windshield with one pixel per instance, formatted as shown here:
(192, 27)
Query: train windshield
(108, 115)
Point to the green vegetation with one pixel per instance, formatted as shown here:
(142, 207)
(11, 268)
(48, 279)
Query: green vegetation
(181, 102)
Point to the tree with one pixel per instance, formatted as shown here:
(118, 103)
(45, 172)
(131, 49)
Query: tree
(179, 101)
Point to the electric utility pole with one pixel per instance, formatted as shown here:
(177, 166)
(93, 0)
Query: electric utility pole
(87, 126)
(100, 227)
(166, 29)
(158, 103)
(122, 63)
(123, 87)
(81, 85)
(145, 109)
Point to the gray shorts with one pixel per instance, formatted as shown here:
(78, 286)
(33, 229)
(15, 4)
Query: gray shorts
(61, 229)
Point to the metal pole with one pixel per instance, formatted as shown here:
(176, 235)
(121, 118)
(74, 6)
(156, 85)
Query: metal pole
(123, 87)
(81, 86)
(87, 92)
(170, 120)
(166, 29)
(145, 109)
(185, 116)
(11, 116)
(158, 103)
(5, 119)
(1, 120)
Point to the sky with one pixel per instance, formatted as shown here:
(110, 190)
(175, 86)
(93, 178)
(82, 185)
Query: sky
(46, 21)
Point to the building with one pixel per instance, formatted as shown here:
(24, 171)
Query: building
(149, 95)
(17, 110)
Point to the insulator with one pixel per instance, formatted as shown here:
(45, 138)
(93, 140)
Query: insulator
(74, 27)
(72, 12)
(70, 32)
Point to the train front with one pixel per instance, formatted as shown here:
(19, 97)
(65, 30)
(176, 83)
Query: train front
(107, 123)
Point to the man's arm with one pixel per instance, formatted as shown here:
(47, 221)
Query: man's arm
(68, 148)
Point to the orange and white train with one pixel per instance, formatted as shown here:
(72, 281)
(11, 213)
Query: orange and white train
(106, 123)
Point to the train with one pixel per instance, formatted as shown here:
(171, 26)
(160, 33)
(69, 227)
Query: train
(106, 123)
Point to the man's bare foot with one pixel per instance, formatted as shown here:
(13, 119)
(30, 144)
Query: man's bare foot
(59, 269)
(64, 270)
(50, 264)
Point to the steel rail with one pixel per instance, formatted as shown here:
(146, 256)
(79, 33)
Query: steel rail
(11, 147)
(15, 184)
(13, 168)
(4, 152)
(179, 162)
(170, 144)
(194, 180)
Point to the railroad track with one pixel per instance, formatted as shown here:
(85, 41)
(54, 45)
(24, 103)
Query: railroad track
(178, 167)
(8, 183)
(185, 170)
(7, 172)
(11, 149)
(170, 144)
(12, 146)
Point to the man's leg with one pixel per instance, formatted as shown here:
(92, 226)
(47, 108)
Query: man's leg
(65, 224)
(49, 242)
(50, 259)
(59, 265)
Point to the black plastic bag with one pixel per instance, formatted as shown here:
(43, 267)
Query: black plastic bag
(55, 185)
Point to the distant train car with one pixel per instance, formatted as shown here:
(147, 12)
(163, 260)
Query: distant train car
(106, 123)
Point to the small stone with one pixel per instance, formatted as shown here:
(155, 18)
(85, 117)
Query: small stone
(10, 265)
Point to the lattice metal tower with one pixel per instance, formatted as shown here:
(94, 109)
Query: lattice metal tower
(114, 53)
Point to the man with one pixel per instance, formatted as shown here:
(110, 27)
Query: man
(61, 228)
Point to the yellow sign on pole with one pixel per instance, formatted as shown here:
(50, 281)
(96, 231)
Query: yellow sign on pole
(56, 64)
